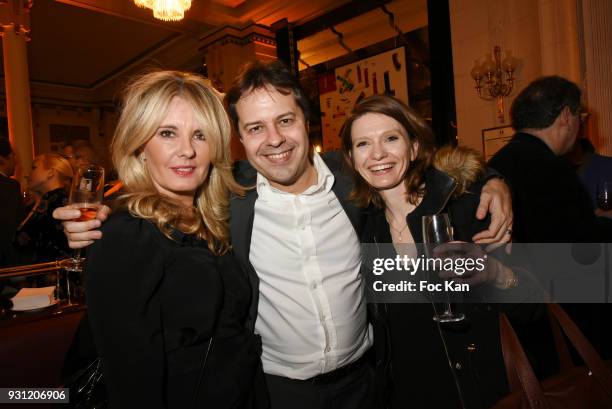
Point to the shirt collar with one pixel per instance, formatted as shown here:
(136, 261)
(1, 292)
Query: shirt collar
(325, 181)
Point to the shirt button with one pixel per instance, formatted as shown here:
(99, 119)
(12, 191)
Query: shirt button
(313, 285)
(327, 349)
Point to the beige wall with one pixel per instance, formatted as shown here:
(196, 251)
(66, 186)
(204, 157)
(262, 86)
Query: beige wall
(542, 34)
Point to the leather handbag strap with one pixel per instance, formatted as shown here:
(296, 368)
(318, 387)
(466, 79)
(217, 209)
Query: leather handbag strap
(591, 358)
(519, 371)
(565, 359)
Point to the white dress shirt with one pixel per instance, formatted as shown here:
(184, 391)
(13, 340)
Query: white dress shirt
(312, 309)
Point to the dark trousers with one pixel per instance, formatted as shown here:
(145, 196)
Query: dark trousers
(355, 390)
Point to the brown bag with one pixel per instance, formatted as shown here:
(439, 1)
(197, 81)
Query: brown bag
(587, 387)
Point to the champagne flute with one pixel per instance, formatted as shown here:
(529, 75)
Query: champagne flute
(438, 230)
(86, 195)
(604, 195)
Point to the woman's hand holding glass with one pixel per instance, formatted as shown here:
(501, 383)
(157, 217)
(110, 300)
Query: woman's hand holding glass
(81, 234)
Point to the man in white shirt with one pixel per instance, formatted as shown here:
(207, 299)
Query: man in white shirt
(297, 235)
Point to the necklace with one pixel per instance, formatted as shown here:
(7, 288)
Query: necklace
(399, 231)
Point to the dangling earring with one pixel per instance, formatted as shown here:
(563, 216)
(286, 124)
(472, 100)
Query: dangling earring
(142, 157)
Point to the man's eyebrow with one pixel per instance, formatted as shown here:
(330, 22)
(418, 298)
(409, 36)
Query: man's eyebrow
(251, 123)
(259, 122)
(291, 113)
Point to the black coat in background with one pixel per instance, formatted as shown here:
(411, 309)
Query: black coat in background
(42, 238)
(11, 214)
(550, 203)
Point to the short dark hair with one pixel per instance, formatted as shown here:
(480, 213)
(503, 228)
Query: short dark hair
(256, 75)
(540, 103)
(5, 148)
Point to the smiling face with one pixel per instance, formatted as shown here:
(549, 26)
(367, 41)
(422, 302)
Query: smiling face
(177, 157)
(274, 133)
(381, 151)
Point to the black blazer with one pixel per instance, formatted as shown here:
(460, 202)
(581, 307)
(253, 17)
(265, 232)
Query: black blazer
(242, 216)
(420, 373)
(551, 205)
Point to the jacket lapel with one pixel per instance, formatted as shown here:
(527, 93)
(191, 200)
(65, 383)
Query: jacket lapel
(241, 227)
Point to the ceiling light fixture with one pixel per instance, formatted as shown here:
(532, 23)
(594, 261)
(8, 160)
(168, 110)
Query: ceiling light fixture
(166, 10)
(148, 4)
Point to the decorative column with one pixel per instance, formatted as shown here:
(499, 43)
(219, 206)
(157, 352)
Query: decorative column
(15, 31)
(597, 31)
(226, 50)
(559, 39)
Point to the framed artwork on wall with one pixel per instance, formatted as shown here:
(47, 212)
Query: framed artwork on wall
(383, 73)
(493, 139)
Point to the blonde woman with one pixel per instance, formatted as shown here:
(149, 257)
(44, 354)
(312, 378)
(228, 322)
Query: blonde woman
(39, 237)
(166, 300)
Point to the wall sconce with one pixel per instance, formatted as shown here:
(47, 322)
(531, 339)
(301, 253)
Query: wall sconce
(495, 85)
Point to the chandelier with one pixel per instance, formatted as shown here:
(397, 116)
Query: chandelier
(495, 85)
(167, 10)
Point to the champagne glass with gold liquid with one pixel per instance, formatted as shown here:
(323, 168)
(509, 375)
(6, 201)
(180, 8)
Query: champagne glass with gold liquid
(86, 195)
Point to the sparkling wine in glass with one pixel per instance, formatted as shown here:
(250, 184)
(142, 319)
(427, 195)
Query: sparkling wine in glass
(438, 230)
(86, 195)
(604, 195)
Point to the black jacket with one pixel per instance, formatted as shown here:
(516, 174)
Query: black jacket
(421, 376)
(11, 214)
(550, 203)
(153, 305)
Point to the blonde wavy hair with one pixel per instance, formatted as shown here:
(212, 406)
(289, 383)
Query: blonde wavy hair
(145, 105)
(59, 164)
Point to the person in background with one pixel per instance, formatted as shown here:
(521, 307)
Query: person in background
(11, 205)
(593, 170)
(40, 237)
(79, 153)
(85, 154)
(551, 204)
(68, 153)
(164, 265)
